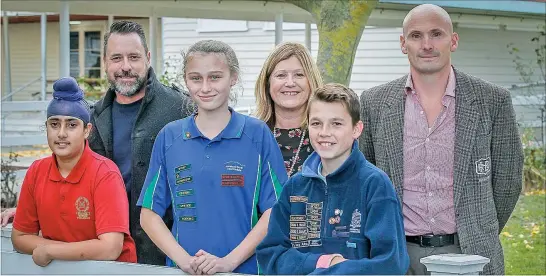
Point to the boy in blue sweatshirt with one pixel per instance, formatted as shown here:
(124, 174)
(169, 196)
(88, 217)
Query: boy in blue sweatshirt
(340, 215)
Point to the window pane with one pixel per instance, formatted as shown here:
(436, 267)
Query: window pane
(74, 64)
(75, 72)
(92, 41)
(92, 72)
(74, 40)
(92, 54)
(74, 54)
(92, 59)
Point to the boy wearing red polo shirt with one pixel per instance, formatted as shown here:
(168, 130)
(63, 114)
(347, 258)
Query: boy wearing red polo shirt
(76, 197)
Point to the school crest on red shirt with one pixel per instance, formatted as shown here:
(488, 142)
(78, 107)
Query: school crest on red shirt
(82, 208)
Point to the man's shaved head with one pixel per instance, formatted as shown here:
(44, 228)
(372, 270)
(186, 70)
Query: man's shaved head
(427, 11)
(428, 39)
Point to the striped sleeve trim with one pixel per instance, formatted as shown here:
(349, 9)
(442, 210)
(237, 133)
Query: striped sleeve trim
(148, 201)
(277, 187)
(254, 218)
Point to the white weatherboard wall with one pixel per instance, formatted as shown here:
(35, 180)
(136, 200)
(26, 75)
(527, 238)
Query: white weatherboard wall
(481, 52)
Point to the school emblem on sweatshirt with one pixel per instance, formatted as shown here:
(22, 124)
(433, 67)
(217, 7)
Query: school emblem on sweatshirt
(82, 208)
(356, 218)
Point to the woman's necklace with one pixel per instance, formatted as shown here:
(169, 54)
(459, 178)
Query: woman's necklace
(295, 158)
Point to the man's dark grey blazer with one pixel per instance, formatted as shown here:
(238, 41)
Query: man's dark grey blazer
(488, 164)
(160, 106)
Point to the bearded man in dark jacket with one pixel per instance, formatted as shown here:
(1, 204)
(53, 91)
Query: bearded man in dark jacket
(127, 119)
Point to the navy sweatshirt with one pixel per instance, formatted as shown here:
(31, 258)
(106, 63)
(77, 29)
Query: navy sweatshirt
(354, 212)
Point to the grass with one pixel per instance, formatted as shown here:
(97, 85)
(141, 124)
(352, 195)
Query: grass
(523, 238)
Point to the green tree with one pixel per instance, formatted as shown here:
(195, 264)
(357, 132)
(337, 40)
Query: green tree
(340, 24)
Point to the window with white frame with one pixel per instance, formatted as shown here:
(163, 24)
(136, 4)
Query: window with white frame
(86, 53)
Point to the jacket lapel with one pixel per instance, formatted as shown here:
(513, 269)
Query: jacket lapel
(105, 129)
(466, 121)
(104, 116)
(393, 127)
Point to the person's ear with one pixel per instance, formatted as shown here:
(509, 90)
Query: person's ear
(87, 130)
(357, 129)
(403, 44)
(454, 42)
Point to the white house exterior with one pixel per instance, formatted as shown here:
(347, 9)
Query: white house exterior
(482, 51)
(485, 29)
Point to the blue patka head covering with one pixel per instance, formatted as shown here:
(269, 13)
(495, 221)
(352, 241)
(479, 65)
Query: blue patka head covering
(68, 100)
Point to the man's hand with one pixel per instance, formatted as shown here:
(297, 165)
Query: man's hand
(206, 263)
(40, 255)
(185, 264)
(6, 215)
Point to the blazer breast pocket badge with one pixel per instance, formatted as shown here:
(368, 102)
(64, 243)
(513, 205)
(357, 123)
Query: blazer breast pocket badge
(483, 166)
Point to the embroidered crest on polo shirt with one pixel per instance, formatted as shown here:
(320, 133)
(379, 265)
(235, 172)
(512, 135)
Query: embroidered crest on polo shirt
(483, 166)
(82, 208)
(234, 166)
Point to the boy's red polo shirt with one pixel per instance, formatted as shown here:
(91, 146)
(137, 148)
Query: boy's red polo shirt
(89, 202)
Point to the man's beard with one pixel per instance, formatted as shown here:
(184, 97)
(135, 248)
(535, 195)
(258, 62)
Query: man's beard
(127, 90)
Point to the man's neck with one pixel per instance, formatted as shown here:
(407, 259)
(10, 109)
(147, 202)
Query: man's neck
(122, 99)
(331, 165)
(211, 123)
(288, 118)
(66, 164)
(431, 85)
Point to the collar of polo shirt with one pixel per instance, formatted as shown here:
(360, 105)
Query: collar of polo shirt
(76, 173)
(233, 130)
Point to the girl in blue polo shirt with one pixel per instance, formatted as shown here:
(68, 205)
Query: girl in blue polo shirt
(219, 170)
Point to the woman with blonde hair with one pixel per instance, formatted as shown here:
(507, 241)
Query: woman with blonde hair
(287, 79)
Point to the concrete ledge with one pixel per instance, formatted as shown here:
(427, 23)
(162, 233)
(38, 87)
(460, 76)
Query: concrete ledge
(454, 264)
(15, 263)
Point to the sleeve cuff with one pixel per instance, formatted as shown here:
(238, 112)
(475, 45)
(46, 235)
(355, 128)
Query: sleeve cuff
(310, 262)
(28, 230)
(112, 229)
(325, 261)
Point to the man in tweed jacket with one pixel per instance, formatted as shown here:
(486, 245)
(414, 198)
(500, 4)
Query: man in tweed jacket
(450, 144)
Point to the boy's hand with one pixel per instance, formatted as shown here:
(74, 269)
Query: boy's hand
(6, 216)
(40, 255)
(337, 260)
(206, 263)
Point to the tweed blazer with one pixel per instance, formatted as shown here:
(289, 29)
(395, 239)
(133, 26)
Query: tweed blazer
(160, 106)
(488, 156)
